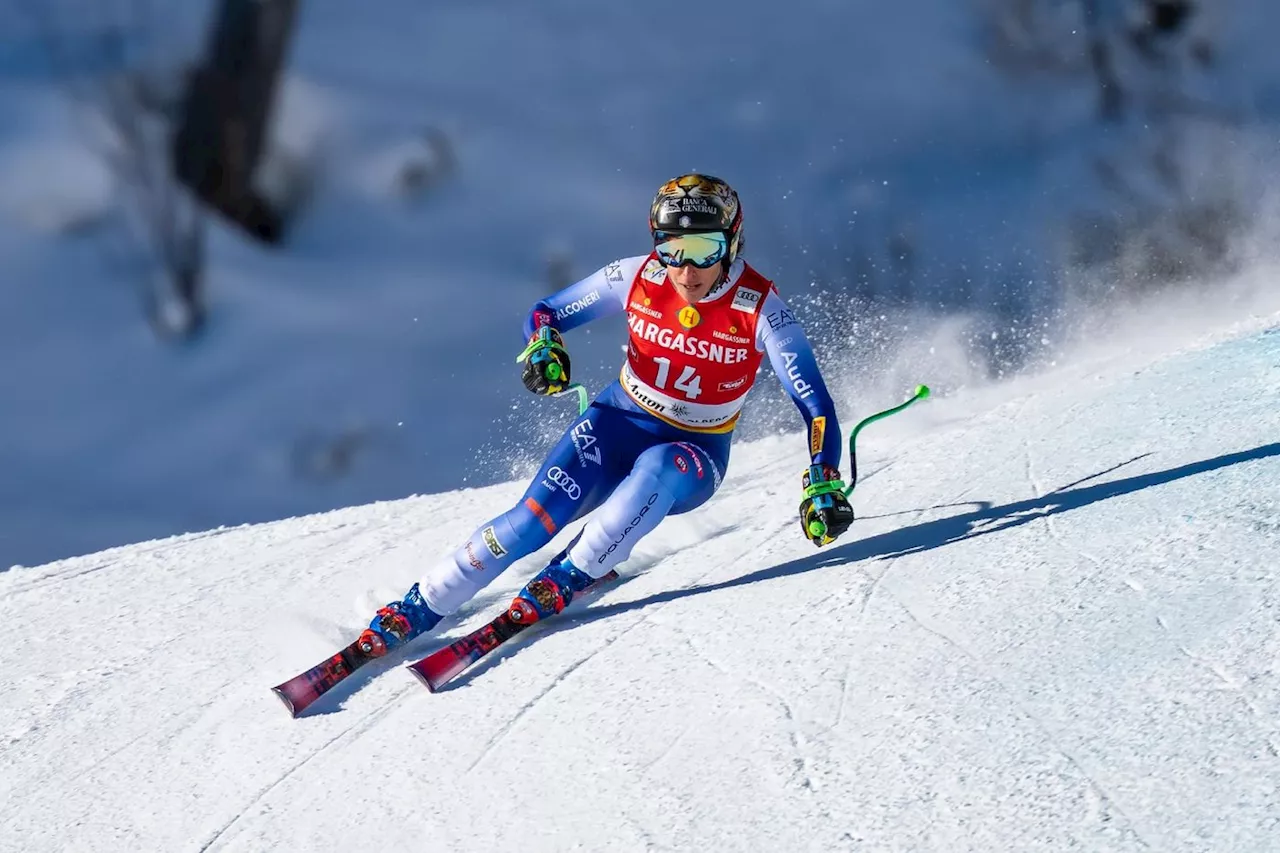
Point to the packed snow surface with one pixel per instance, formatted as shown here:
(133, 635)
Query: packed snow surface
(1054, 625)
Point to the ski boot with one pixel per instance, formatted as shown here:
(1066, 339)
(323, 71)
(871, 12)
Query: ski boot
(550, 591)
(397, 623)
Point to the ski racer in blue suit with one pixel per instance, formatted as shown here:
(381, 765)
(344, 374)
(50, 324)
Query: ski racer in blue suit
(655, 442)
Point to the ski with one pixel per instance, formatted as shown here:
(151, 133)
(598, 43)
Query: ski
(300, 691)
(443, 665)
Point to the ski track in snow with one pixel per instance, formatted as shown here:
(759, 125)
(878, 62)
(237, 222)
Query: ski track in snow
(1049, 628)
(788, 712)
(520, 713)
(993, 675)
(346, 736)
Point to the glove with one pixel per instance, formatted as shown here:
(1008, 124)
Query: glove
(825, 513)
(546, 363)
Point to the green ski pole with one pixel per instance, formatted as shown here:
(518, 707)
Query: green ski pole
(817, 528)
(584, 398)
(921, 392)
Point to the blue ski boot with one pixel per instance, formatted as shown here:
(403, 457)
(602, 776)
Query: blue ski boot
(551, 590)
(398, 622)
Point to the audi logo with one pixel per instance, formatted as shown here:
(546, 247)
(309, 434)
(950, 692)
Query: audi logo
(564, 481)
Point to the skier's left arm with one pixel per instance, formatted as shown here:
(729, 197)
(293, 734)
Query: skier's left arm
(781, 336)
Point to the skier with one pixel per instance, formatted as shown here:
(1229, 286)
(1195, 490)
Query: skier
(655, 442)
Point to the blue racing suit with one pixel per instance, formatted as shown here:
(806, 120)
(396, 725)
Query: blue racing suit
(631, 466)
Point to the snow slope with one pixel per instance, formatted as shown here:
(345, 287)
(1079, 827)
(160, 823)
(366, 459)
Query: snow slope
(843, 125)
(1054, 626)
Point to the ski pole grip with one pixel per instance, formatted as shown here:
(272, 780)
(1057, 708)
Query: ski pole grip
(584, 399)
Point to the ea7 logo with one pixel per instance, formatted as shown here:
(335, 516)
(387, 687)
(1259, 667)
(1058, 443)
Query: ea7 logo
(583, 443)
(780, 319)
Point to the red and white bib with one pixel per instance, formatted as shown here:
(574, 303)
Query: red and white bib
(692, 365)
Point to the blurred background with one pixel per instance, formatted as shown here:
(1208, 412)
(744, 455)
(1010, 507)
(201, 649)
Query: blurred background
(260, 258)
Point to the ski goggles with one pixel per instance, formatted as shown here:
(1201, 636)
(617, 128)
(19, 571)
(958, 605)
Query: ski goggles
(701, 250)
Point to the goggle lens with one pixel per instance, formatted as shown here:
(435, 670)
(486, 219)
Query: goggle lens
(701, 250)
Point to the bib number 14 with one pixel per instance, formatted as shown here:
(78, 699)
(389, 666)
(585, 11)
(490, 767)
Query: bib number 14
(689, 383)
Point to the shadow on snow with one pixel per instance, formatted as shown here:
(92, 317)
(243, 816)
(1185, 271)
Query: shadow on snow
(985, 519)
(334, 701)
(918, 538)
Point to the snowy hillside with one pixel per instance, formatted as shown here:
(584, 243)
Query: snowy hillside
(1055, 625)
(856, 132)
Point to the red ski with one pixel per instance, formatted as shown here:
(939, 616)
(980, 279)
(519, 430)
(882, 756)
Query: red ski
(443, 665)
(303, 689)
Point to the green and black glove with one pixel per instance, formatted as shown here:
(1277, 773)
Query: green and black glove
(825, 512)
(546, 363)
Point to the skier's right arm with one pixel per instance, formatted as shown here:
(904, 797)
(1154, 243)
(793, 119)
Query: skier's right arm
(600, 294)
(604, 292)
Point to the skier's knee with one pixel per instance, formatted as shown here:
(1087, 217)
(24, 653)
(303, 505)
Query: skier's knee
(485, 554)
(680, 467)
(660, 461)
(636, 508)
(516, 533)
(531, 526)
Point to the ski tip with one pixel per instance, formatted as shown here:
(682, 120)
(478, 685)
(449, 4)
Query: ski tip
(279, 691)
(426, 682)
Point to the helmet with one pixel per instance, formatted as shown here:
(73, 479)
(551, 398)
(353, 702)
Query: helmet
(696, 204)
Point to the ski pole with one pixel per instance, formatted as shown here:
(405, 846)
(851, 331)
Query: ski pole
(921, 392)
(815, 527)
(584, 398)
